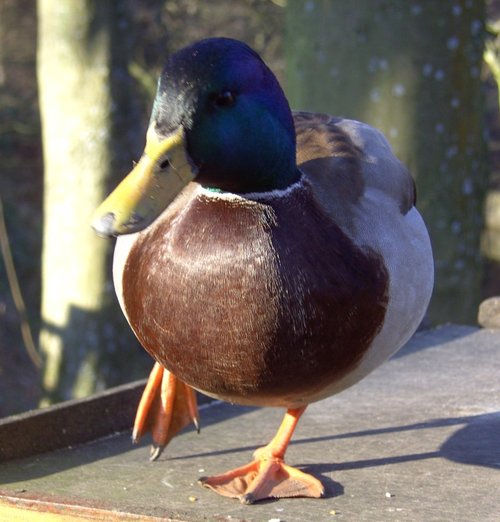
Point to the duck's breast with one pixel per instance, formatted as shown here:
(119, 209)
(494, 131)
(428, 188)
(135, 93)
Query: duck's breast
(257, 302)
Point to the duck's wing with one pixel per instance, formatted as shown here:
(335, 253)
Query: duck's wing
(345, 158)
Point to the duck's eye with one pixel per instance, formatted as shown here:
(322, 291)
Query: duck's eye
(224, 99)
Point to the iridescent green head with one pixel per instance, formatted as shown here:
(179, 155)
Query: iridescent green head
(219, 117)
(239, 129)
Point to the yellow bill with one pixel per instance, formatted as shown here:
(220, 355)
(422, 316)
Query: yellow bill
(162, 172)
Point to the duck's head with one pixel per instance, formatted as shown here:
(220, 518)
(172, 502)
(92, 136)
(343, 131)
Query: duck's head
(219, 118)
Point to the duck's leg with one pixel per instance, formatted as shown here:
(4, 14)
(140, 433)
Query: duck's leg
(167, 405)
(268, 476)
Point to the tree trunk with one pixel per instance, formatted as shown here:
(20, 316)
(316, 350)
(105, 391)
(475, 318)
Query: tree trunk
(411, 69)
(491, 235)
(90, 130)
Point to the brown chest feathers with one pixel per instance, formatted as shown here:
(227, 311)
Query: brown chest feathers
(254, 302)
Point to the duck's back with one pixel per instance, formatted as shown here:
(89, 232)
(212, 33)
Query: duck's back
(347, 158)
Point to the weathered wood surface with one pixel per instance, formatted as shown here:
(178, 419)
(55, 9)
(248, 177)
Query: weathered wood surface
(69, 423)
(417, 440)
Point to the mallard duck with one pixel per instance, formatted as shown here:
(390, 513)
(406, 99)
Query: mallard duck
(264, 257)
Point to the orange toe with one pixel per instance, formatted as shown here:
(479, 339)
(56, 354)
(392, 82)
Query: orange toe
(167, 405)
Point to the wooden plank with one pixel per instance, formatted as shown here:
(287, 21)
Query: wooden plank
(69, 423)
(15, 509)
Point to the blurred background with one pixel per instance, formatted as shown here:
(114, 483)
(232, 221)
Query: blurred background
(77, 80)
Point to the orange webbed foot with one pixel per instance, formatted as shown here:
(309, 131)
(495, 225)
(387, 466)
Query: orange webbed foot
(167, 405)
(264, 478)
(268, 476)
